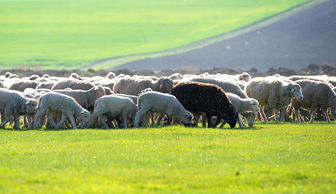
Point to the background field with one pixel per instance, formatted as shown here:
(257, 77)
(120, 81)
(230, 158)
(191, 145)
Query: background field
(270, 158)
(69, 34)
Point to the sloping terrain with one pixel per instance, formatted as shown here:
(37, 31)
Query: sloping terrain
(70, 34)
(306, 36)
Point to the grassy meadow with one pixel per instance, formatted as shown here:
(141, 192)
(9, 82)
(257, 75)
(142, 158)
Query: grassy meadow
(68, 34)
(269, 158)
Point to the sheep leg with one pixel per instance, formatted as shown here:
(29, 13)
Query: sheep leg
(3, 123)
(51, 121)
(209, 118)
(204, 120)
(7, 117)
(297, 115)
(124, 116)
(72, 120)
(139, 115)
(326, 112)
(312, 112)
(93, 117)
(16, 122)
(61, 122)
(262, 113)
(275, 113)
(38, 116)
(222, 125)
(196, 119)
(103, 122)
(240, 121)
(159, 119)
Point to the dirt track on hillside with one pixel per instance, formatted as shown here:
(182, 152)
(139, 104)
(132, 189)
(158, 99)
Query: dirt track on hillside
(304, 37)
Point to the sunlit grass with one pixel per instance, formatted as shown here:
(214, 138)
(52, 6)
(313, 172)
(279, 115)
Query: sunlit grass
(266, 159)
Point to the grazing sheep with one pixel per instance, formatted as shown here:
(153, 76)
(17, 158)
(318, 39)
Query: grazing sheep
(132, 97)
(23, 84)
(45, 85)
(272, 91)
(176, 76)
(134, 86)
(56, 102)
(108, 91)
(153, 101)
(12, 105)
(110, 75)
(114, 106)
(317, 95)
(206, 98)
(243, 105)
(225, 85)
(244, 77)
(73, 84)
(75, 76)
(85, 98)
(33, 77)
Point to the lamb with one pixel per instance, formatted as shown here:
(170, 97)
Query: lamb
(56, 102)
(316, 95)
(23, 84)
(114, 107)
(245, 77)
(243, 105)
(206, 98)
(73, 84)
(34, 77)
(273, 91)
(45, 85)
(12, 105)
(85, 98)
(153, 101)
(110, 75)
(134, 86)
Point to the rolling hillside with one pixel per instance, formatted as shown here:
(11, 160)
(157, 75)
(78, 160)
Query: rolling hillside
(302, 37)
(71, 33)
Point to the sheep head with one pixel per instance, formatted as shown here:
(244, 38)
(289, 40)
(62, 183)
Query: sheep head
(186, 119)
(230, 115)
(30, 106)
(295, 90)
(164, 85)
(83, 117)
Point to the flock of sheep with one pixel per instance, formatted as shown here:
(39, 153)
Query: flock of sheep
(124, 101)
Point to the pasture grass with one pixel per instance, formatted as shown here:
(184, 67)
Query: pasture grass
(69, 34)
(266, 159)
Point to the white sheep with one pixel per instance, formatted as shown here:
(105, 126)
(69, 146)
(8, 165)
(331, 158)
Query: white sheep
(114, 106)
(317, 95)
(161, 103)
(244, 105)
(12, 105)
(134, 85)
(273, 91)
(86, 98)
(56, 102)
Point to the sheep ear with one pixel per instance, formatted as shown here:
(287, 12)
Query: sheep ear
(291, 87)
(29, 102)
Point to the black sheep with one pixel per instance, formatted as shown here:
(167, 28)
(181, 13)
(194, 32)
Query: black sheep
(207, 98)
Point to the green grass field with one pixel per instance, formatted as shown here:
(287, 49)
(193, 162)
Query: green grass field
(54, 34)
(283, 158)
